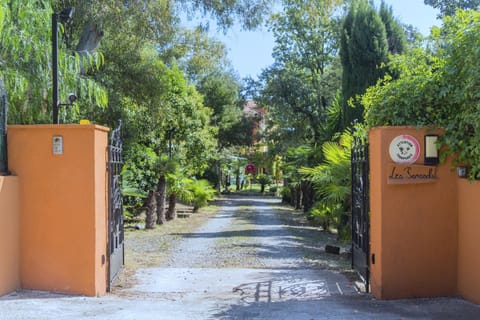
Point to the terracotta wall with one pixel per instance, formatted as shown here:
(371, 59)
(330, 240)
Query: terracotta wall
(469, 240)
(414, 226)
(64, 208)
(101, 210)
(9, 235)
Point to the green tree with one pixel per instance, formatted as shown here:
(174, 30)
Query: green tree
(221, 93)
(249, 13)
(193, 139)
(263, 180)
(295, 158)
(396, 35)
(412, 98)
(304, 79)
(200, 56)
(165, 166)
(139, 176)
(178, 188)
(413, 35)
(165, 101)
(150, 96)
(25, 64)
(437, 88)
(364, 48)
(160, 77)
(448, 7)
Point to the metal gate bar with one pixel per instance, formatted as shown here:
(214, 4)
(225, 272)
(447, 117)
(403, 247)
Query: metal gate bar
(360, 210)
(115, 218)
(3, 128)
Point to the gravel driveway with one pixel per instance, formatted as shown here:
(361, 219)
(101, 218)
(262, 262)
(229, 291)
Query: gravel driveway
(250, 233)
(254, 259)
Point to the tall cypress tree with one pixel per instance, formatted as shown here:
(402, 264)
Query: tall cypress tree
(364, 48)
(396, 37)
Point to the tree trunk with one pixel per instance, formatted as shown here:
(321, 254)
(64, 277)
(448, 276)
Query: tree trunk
(89, 42)
(172, 202)
(150, 214)
(286, 196)
(298, 197)
(161, 196)
(307, 195)
(219, 176)
(293, 195)
(90, 39)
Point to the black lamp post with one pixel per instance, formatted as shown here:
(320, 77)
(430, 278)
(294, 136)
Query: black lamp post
(64, 16)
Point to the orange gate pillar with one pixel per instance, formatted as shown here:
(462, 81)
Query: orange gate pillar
(468, 239)
(414, 222)
(63, 196)
(9, 235)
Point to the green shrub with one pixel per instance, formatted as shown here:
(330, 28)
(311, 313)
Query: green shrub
(332, 183)
(286, 194)
(202, 192)
(323, 215)
(263, 180)
(436, 88)
(139, 176)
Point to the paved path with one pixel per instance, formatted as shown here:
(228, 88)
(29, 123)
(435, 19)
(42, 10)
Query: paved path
(244, 263)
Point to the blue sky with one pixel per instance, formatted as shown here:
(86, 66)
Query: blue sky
(250, 52)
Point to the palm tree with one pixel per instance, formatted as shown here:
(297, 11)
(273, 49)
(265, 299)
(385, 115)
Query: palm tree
(264, 180)
(202, 193)
(332, 183)
(165, 165)
(177, 189)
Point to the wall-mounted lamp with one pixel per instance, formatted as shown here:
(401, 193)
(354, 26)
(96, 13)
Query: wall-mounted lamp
(430, 149)
(71, 99)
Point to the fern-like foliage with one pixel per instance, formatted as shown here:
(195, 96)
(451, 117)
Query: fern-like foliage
(332, 179)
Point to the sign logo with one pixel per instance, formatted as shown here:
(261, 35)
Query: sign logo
(250, 168)
(404, 149)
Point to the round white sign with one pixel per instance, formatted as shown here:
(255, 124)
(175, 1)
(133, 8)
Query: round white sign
(404, 149)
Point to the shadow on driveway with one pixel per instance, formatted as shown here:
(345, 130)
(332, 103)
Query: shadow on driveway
(354, 307)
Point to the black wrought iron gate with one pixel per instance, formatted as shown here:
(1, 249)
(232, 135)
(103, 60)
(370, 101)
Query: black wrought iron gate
(115, 218)
(360, 210)
(3, 128)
